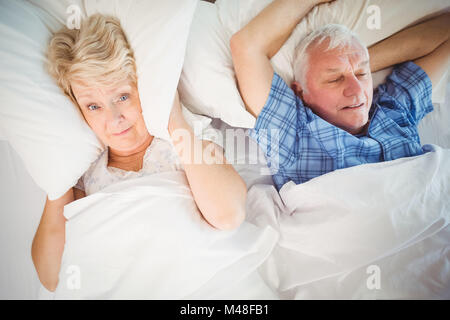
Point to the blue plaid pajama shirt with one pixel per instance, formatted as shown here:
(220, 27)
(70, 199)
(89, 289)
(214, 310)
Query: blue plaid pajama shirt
(299, 145)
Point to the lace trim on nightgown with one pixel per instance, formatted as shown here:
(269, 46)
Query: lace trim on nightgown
(160, 156)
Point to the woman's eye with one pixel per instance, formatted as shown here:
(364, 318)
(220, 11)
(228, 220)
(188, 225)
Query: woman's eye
(123, 97)
(93, 107)
(362, 74)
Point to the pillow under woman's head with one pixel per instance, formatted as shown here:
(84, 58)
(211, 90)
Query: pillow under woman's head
(39, 121)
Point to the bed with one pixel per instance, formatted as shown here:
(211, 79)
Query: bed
(426, 261)
(321, 246)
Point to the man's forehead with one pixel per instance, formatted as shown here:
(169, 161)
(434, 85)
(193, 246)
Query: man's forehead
(335, 59)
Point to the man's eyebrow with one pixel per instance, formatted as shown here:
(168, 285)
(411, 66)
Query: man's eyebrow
(364, 63)
(335, 70)
(332, 70)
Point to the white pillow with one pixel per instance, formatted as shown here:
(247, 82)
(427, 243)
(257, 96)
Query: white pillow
(208, 84)
(41, 124)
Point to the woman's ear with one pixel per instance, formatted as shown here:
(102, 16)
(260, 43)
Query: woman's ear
(297, 88)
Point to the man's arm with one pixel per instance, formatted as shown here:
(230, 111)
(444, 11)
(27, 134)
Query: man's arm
(254, 45)
(436, 63)
(410, 43)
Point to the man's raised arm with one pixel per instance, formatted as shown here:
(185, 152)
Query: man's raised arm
(421, 40)
(436, 63)
(254, 45)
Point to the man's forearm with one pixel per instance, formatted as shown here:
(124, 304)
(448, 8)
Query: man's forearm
(411, 43)
(270, 29)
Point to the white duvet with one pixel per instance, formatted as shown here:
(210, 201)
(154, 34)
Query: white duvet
(337, 229)
(145, 238)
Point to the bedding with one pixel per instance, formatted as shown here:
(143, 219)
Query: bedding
(270, 263)
(41, 124)
(144, 238)
(208, 85)
(393, 216)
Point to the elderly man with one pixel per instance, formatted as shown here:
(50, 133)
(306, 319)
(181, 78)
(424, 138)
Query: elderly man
(331, 118)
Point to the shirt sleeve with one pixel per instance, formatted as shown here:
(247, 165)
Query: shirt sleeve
(279, 122)
(410, 87)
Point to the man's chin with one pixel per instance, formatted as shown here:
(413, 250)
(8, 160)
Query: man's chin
(354, 127)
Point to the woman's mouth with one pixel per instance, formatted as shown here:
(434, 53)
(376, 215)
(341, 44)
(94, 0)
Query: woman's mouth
(122, 133)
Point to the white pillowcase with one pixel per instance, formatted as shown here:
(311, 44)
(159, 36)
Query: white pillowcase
(40, 123)
(208, 84)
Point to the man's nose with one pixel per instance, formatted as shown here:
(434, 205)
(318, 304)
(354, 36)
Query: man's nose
(353, 87)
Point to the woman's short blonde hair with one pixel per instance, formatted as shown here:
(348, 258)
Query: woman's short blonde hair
(98, 54)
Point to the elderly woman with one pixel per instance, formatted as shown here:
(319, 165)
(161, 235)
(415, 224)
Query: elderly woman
(96, 69)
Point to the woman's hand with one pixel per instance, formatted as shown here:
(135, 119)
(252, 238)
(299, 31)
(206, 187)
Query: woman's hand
(176, 118)
(218, 190)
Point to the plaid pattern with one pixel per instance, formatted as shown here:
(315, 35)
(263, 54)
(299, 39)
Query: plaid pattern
(300, 145)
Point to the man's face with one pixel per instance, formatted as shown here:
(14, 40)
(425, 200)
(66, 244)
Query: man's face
(339, 86)
(113, 113)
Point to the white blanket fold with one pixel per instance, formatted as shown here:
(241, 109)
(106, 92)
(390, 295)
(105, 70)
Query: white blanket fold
(350, 218)
(145, 239)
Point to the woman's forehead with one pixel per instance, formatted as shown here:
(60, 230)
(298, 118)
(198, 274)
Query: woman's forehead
(83, 89)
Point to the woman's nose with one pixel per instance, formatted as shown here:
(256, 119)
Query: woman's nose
(114, 115)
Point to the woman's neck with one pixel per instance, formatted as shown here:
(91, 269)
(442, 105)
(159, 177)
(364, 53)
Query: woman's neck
(132, 161)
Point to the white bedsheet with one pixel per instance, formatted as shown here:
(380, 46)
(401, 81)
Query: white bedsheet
(145, 239)
(393, 215)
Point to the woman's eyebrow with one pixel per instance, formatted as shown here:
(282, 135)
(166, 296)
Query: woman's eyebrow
(84, 96)
(123, 88)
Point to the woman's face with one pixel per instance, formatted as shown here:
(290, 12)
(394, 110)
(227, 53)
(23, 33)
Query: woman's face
(114, 114)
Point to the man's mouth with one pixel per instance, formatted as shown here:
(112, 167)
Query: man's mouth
(354, 106)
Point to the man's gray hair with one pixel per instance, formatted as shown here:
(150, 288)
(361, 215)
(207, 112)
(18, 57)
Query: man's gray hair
(338, 36)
